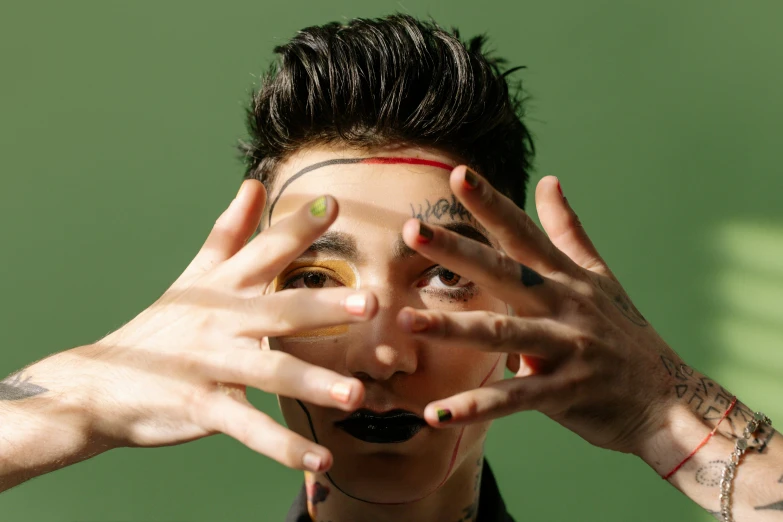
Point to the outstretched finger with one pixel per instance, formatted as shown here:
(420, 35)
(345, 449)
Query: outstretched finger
(492, 332)
(491, 401)
(563, 227)
(259, 432)
(272, 250)
(305, 312)
(517, 233)
(283, 374)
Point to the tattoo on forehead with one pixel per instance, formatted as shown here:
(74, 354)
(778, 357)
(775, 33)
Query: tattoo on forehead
(376, 160)
(443, 207)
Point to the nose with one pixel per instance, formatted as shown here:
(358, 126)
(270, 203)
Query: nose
(382, 349)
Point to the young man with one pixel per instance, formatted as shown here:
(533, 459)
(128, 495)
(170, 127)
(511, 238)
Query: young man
(384, 325)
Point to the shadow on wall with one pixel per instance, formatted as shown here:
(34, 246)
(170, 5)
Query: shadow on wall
(745, 332)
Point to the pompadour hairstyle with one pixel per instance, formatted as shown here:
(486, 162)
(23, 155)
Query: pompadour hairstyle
(390, 81)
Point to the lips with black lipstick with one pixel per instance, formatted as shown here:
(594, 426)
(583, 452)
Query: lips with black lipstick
(382, 428)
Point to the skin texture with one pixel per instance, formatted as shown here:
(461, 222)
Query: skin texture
(424, 474)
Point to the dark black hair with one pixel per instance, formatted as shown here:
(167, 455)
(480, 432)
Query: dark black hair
(390, 81)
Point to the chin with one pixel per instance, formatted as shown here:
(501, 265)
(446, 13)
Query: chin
(393, 473)
(387, 478)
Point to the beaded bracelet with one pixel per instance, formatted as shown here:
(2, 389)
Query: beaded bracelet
(727, 477)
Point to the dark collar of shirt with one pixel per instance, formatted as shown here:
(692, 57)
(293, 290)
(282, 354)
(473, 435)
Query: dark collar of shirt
(491, 506)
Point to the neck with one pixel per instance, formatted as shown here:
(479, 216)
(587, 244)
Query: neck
(457, 500)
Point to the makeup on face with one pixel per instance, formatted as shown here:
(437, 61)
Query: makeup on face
(318, 273)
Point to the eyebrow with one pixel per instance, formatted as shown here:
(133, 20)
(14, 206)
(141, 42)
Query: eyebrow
(403, 251)
(338, 244)
(343, 245)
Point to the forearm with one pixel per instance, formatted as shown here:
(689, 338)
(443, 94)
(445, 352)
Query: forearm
(757, 493)
(44, 422)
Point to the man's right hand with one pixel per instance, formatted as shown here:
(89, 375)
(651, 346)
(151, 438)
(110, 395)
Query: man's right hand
(179, 370)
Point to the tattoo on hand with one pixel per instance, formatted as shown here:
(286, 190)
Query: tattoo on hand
(622, 302)
(443, 207)
(13, 388)
(777, 506)
(711, 400)
(530, 277)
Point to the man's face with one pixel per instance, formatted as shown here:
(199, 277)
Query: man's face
(364, 249)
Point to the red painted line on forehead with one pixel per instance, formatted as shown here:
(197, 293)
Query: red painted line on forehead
(379, 160)
(410, 161)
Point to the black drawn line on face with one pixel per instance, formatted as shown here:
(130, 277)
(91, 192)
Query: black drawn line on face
(376, 160)
(451, 462)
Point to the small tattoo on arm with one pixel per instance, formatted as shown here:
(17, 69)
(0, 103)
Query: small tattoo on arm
(530, 277)
(709, 474)
(13, 388)
(777, 506)
(709, 399)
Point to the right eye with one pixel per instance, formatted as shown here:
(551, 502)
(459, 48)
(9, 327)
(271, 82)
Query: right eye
(310, 279)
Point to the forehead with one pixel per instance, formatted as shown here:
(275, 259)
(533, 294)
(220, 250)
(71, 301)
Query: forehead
(372, 192)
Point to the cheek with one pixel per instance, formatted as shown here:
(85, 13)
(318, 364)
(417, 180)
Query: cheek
(320, 351)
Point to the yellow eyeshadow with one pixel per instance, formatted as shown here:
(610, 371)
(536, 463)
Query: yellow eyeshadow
(340, 271)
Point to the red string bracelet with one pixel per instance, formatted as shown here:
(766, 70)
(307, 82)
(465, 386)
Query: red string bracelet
(703, 442)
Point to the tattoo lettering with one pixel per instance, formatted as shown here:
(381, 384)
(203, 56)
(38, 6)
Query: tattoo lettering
(622, 302)
(709, 474)
(711, 400)
(777, 506)
(13, 388)
(441, 208)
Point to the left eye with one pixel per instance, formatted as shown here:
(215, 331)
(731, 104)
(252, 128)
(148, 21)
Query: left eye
(443, 278)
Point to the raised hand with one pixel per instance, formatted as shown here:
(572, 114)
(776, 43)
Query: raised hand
(581, 351)
(179, 370)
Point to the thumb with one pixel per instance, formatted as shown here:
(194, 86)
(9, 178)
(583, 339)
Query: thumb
(563, 227)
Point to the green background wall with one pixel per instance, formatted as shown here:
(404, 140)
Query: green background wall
(117, 127)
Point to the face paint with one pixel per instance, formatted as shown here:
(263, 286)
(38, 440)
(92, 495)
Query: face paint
(379, 160)
(325, 272)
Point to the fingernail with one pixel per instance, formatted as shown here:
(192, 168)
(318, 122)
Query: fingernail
(471, 179)
(559, 188)
(312, 461)
(355, 304)
(318, 207)
(425, 233)
(444, 415)
(341, 391)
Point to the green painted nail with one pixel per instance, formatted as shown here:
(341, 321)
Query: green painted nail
(318, 208)
(444, 415)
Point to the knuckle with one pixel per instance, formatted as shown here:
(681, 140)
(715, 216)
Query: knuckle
(517, 397)
(501, 330)
(264, 374)
(471, 406)
(505, 265)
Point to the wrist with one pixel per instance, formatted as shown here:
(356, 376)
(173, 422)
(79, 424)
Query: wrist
(51, 429)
